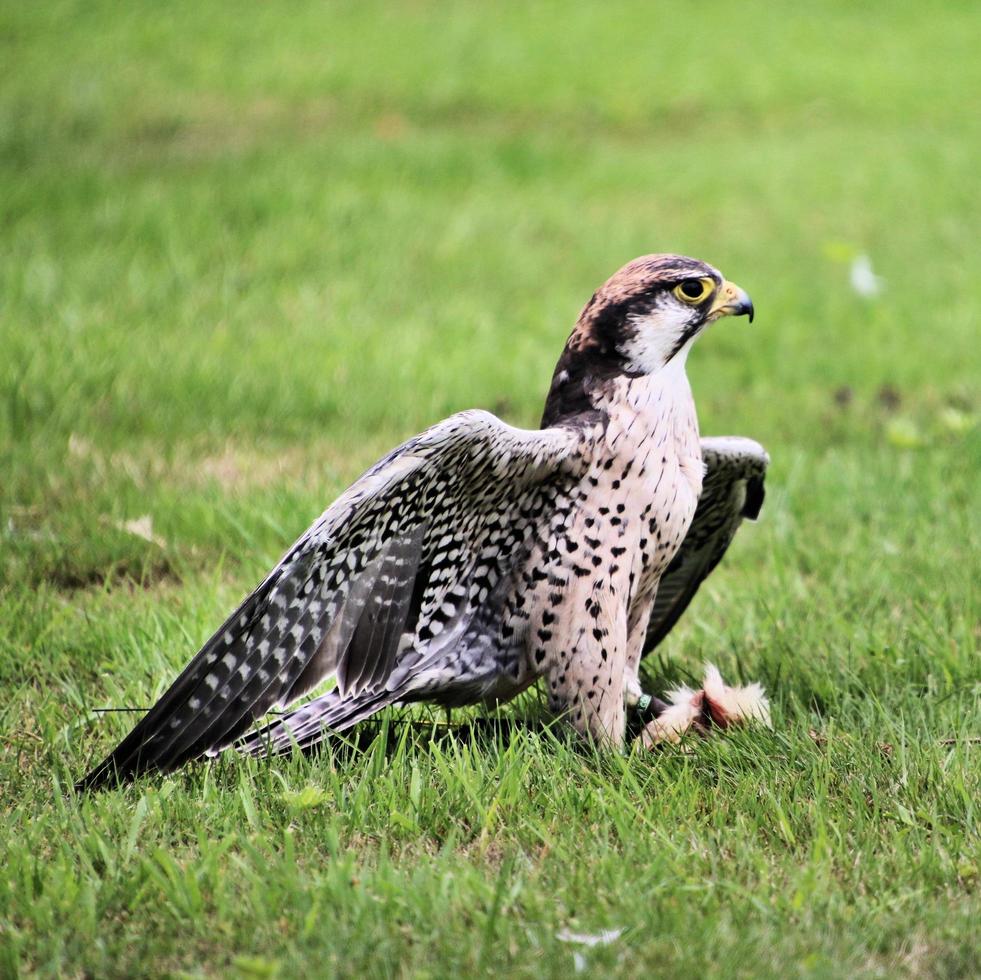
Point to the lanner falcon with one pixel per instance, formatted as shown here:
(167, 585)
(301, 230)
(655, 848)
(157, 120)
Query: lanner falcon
(476, 558)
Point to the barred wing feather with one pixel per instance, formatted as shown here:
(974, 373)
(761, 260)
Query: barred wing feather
(733, 489)
(425, 534)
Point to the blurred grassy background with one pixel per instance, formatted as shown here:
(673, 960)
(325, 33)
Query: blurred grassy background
(246, 250)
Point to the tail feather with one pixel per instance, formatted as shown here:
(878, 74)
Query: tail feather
(306, 726)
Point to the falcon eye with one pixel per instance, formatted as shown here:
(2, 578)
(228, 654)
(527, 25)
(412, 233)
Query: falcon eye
(694, 290)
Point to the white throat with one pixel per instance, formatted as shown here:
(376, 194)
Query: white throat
(650, 349)
(665, 390)
(657, 406)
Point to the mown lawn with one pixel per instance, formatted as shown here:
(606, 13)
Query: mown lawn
(244, 250)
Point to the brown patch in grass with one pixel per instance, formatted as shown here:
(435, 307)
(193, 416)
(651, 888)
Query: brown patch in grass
(53, 546)
(143, 572)
(235, 468)
(215, 127)
(314, 466)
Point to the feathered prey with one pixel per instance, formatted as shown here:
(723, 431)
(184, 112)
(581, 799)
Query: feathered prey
(477, 558)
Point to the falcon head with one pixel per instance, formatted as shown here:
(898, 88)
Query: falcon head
(647, 313)
(642, 318)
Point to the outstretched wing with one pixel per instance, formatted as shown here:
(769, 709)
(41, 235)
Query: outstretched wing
(417, 542)
(735, 469)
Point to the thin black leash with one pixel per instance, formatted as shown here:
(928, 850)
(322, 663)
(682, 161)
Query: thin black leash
(103, 711)
(646, 710)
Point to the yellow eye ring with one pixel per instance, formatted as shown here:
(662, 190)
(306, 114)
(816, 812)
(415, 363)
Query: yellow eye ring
(694, 291)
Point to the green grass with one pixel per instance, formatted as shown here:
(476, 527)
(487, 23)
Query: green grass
(245, 250)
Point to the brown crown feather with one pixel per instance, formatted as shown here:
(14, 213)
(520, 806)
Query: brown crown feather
(591, 357)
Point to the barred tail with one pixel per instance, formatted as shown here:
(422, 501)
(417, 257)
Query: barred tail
(306, 726)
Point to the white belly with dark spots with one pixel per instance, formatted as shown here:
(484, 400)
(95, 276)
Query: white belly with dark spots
(657, 441)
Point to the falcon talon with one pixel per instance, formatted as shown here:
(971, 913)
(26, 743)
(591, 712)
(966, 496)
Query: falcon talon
(477, 559)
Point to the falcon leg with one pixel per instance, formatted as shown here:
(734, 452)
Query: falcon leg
(636, 635)
(586, 682)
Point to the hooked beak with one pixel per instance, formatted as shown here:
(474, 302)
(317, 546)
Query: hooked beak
(731, 301)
